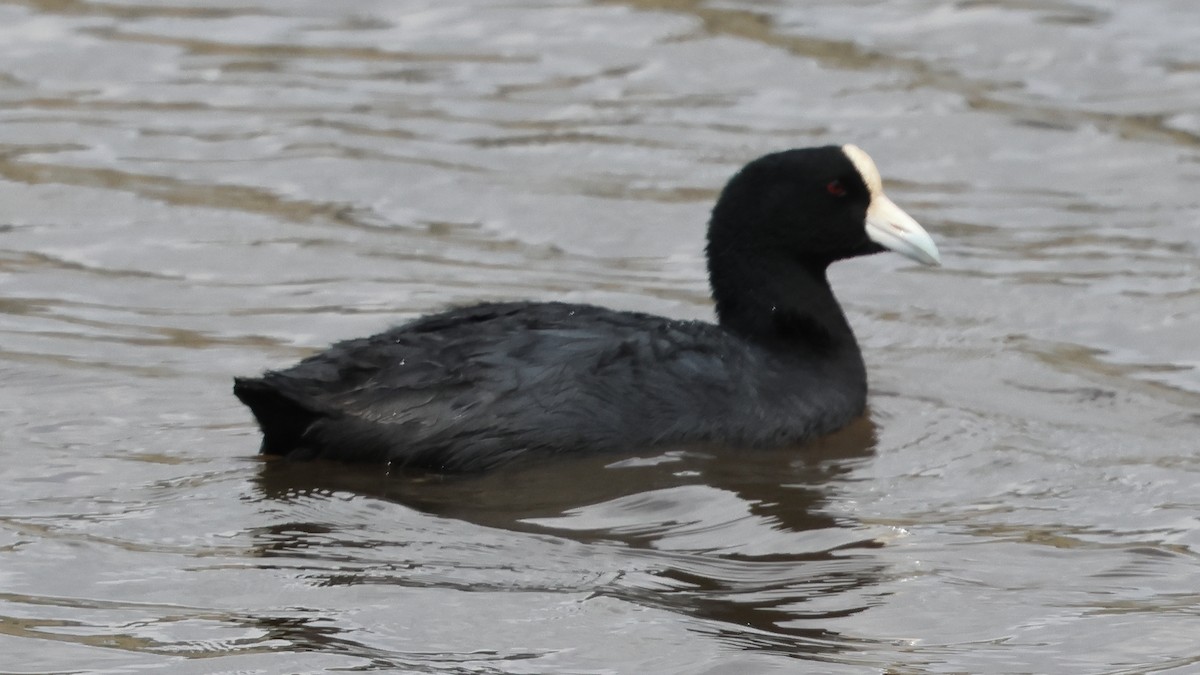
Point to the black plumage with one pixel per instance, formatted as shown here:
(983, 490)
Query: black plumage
(479, 386)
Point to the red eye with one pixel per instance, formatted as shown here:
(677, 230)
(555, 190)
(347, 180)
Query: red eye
(835, 188)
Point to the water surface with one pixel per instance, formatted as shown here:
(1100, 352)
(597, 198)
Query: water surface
(196, 189)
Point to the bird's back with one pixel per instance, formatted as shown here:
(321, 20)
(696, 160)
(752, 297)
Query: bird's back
(474, 387)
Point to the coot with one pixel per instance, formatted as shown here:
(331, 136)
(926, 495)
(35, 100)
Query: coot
(475, 387)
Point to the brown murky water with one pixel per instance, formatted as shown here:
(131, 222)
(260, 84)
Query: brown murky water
(192, 189)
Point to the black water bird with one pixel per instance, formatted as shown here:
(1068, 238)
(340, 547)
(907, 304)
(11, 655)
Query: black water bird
(475, 387)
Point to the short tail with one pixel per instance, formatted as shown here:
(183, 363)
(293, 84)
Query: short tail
(283, 420)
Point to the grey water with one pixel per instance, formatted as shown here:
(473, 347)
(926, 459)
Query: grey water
(196, 189)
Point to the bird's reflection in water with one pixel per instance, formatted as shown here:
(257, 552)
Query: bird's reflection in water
(740, 540)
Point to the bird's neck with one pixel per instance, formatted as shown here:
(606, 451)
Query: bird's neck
(783, 304)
